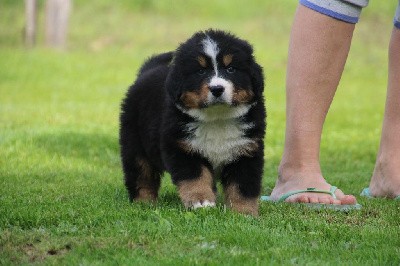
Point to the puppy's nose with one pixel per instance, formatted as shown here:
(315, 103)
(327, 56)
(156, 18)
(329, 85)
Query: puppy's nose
(217, 90)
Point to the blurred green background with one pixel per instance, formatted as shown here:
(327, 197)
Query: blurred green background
(107, 42)
(60, 174)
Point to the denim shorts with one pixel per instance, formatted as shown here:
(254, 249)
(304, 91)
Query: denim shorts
(345, 10)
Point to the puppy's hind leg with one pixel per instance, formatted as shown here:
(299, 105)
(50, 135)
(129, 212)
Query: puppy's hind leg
(141, 180)
(148, 182)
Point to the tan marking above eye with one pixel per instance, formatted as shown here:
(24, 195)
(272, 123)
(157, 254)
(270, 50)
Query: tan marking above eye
(202, 61)
(227, 59)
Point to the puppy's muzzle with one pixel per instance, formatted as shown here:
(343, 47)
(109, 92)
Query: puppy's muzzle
(217, 90)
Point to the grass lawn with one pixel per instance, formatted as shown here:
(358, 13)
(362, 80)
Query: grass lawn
(62, 199)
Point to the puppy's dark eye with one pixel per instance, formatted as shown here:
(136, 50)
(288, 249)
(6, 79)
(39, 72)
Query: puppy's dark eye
(231, 70)
(201, 71)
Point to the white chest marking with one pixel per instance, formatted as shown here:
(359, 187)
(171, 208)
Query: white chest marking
(220, 139)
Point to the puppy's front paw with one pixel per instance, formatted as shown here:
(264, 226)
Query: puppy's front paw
(201, 204)
(198, 193)
(198, 199)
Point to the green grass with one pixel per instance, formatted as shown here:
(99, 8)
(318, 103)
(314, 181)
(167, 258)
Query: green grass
(62, 198)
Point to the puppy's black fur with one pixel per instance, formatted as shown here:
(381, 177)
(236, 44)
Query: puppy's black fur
(198, 113)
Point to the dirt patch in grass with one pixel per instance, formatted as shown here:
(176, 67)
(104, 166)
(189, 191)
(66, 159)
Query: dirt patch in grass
(38, 253)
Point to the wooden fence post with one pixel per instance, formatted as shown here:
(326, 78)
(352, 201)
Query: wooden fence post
(57, 16)
(31, 23)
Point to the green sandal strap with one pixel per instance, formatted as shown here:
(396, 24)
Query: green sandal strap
(309, 190)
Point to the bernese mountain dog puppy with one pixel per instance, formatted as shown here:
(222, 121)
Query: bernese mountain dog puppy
(197, 113)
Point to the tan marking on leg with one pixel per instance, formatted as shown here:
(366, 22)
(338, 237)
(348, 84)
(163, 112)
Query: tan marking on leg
(241, 96)
(144, 167)
(147, 185)
(237, 202)
(146, 194)
(227, 59)
(202, 61)
(196, 98)
(197, 190)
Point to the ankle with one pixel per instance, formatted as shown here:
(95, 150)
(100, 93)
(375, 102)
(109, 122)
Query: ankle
(288, 170)
(387, 166)
(385, 181)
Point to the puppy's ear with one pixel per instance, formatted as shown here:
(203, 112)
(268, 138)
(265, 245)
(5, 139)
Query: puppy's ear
(173, 84)
(257, 79)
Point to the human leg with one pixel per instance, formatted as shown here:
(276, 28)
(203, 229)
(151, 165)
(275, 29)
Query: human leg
(318, 50)
(385, 181)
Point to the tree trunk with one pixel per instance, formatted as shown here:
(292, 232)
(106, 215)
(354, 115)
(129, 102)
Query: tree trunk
(31, 22)
(57, 15)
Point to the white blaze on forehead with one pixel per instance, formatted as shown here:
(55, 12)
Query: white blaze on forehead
(211, 49)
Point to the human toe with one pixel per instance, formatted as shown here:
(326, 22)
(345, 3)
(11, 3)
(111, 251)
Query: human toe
(314, 200)
(298, 199)
(325, 200)
(348, 200)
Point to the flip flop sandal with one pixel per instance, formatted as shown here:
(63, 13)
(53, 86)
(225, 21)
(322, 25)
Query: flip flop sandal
(331, 192)
(367, 193)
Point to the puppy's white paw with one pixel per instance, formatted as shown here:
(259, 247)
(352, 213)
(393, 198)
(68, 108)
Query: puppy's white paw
(203, 204)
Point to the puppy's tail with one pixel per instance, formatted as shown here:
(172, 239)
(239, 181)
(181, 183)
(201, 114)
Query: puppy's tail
(156, 61)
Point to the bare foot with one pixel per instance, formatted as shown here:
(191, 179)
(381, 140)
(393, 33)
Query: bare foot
(385, 181)
(300, 181)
